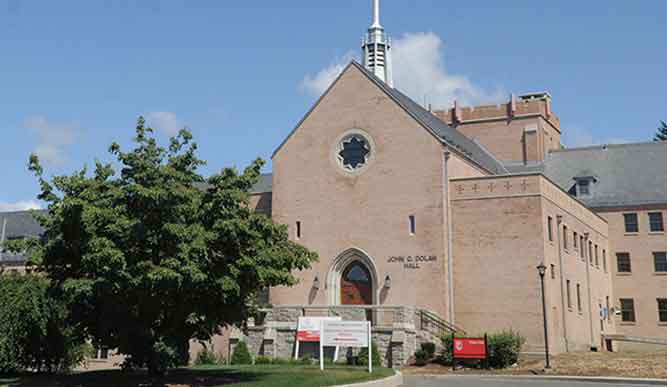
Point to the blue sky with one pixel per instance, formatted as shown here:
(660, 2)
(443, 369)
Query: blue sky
(74, 75)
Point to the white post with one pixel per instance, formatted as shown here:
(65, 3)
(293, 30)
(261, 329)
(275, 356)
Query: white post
(296, 350)
(336, 354)
(321, 346)
(370, 347)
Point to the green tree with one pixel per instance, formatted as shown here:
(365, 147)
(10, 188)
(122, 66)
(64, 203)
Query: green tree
(661, 135)
(156, 255)
(33, 334)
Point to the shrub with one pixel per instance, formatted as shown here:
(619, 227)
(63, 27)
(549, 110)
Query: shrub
(429, 348)
(307, 359)
(362, 358)
(33, 332)
(241, 354)
(504, 348)
(445, 357)
(280, 361)
(263, 360)
(206, 357)
(421, 358)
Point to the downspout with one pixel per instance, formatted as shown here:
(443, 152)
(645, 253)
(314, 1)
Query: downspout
(559, 220)
(450, 249)
(588, 285)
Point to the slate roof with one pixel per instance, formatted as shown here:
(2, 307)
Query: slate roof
(17, 225)
(627, 174)
(447, 134)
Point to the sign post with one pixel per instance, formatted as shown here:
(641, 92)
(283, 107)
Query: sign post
(469, 348)
(356, 334)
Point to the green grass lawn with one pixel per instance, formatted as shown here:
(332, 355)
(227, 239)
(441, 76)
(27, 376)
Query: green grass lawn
(212, 376)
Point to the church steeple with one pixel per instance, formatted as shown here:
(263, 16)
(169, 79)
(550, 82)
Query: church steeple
(377, 48)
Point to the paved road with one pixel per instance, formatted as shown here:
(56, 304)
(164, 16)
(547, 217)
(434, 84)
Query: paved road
(485, 381)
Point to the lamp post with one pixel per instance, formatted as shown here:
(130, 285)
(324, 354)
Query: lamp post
(541, 269)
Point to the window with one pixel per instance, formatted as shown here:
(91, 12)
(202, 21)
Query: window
(565, 237)
(627, 310)
(579, 308)
(590, 252)
(569, 294)
(582, 248)
(550, 222)
(298, 229)
(583, 187)
(597, 258)
(553, 271)
(660, 261)
(608, 310)
(631, 223)
(604, 260)
(574, 240)
(623, 263)
(662, 309)
(413, 225)
(655, 222)
(353, 152)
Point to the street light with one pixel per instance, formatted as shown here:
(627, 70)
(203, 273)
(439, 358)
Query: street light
(541, 269)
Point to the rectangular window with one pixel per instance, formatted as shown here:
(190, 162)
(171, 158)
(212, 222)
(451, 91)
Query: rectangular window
(565, 237)
(608, 310)
(655, 222)
(597, 258)
(604, 260)
(298, 229)
(574, 240)
(553, 271)
(627, 310)
(631, 223)
(582, 248)
(590, 252)
(550, 222)
(569, 294)
(662, 309)
(623, 263)
(579, 307)
(660, 261)
(413, 224)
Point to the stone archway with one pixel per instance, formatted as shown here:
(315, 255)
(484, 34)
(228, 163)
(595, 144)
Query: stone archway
(356, 271)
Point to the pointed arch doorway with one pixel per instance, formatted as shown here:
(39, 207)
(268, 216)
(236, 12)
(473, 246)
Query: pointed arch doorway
(356, 285)
(352, 279)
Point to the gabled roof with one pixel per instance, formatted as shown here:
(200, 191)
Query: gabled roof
(19, 224)
(626, 174)
(451, 137)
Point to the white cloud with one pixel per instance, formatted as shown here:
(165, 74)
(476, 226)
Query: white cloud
(419, 71)
(19, 206)
(52, 139)
(166, 122)
(319, 83)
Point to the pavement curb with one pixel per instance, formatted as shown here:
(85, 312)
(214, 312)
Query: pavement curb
(391, 381)
(590, 379)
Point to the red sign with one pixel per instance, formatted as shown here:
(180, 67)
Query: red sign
(469, 348)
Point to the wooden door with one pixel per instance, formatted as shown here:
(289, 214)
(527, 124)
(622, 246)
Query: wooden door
(356, 287)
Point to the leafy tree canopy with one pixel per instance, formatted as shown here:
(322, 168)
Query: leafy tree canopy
(661, 135)
(156, 255)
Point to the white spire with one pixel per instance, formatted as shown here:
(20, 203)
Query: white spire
(377, 49)
(376, 14)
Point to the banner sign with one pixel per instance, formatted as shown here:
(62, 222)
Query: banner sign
(345, 334)
(308, 328)
(469, 348)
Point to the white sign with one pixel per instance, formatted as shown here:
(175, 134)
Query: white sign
(346, 334)
(308, 328)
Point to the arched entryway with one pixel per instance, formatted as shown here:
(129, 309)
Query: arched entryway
(352, 279)
(356, 285)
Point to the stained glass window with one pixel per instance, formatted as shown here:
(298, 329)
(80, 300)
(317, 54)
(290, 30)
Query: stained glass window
(354, 152)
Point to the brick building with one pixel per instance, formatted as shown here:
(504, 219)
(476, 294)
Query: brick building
(450, 212)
